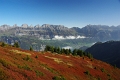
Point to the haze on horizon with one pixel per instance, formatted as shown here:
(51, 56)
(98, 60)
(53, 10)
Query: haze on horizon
(70, 13)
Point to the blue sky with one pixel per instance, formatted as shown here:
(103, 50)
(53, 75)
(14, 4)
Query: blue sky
(70, 13)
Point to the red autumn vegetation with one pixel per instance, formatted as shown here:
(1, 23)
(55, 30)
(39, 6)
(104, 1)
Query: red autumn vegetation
(18, 64)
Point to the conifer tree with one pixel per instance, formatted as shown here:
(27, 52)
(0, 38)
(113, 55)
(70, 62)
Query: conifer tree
(80, 52)
(16, 44)
(58, 50)
(31, 49)
(47, 48)
(67, 51)
(70, 51)
(52, 49)
(74, 52)
(55, 49)
(3, 44)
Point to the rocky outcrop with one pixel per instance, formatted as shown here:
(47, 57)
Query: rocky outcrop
(47, 31)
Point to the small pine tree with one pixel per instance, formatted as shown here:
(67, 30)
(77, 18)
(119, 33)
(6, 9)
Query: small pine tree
(58, 50)
(84, 53)
(36, 56)
(87, 72)
(89, 56)
(67, 51)
(31, 49)
(61, 51)
(3, 44)
(52, 49)
(55, 49)
(47, 48)
(16, 44)
(102, 69)
(80, 52)
(74, 52)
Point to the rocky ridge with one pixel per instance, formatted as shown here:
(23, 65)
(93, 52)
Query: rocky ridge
(47, 31)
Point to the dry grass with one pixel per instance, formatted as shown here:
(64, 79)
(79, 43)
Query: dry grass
(69, 64)
(20, 52)
(55, 59)
(59, 61)
(68, 56)
(89, 64)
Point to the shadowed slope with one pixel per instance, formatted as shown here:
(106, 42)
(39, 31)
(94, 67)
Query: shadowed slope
(108, 51)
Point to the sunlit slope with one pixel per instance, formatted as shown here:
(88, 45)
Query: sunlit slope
(17, 64)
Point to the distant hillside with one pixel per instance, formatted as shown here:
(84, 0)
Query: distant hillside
(108, 51)
(18, 64)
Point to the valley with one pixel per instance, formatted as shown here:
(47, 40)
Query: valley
(58, 35)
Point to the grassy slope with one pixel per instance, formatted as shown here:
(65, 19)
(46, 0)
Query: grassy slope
(17, 64)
